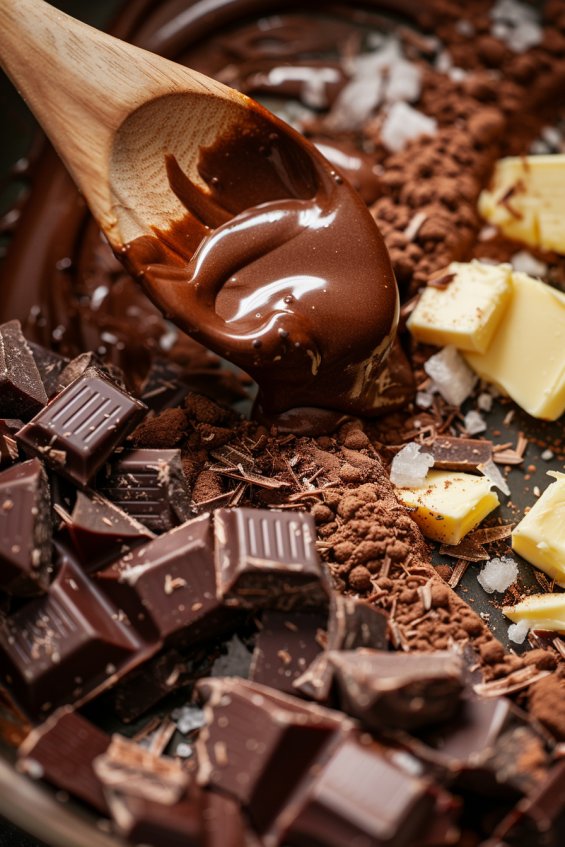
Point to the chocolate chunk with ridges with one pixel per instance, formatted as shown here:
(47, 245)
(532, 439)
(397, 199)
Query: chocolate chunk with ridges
(168, 586)
(533, 819)
(9, 452)
(25, 529)
(285, 646)
(258, 743)
(358, 798)
(82, 363)
(150, 486)
(268, 559)
(22, 394)
(401, 690)
(76, 433)
(458, 454)
(65, 646)
(64, 748)
(101, 532)
(50, 366)
(487, 748)
(144, 821)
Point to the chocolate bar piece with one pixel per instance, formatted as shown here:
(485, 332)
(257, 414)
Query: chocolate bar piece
(223, 822)
(62, 751)
(358, 798)
(25, 529)
(50, 366)
(285, 646)
(9, 452)
(533, 819)
(164, 387)
(22, 394)
(258, 743)
(458, 454)
(66, 645)
(101, 532)
(150, 486)
(82, 363)
(81, 427)
(486, 749)
(401, 690)
(167, 587)
(144, 821)
(268, 559)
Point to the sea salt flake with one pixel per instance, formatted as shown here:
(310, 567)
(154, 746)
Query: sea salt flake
(356, 103)
(409, 467)
(484, 402)
(492, 472)
(452, 375)
(424, 399)
(547, 455)
(404, 82)
(474, 422)
(498, 575)
(403, 124)
(188, 718)
(524, 262)
(517, 632)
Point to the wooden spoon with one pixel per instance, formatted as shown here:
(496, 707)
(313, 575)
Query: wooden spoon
(113, 111)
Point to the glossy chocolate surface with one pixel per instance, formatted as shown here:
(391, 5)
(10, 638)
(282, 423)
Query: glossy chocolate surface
(22, 393)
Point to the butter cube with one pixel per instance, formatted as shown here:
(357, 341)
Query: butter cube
(526, 200)
(449, 504)
(468, 311)
(526, 357)
(542, 611)
(540, 536)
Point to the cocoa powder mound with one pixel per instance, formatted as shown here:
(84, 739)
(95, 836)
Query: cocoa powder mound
(164, 431)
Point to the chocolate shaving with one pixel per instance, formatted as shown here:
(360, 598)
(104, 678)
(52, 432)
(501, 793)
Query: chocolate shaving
(513, 682)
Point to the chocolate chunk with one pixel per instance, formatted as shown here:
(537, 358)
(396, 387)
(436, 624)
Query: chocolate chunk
(458, 454)
(164, 387)
(146, 822)
(101, 532)
(9, 452)
(62, 751)
(531, 821)
(487, 749)
(150, 486)
(25, 529)
(65, 646)
(223, 822)
(82, 426)
(22, 394)
(268, 559)
(167, 587)
(285, 646)
(400, 690)
(258, 743)
(82, 363)
(358, 798)
(50, 366)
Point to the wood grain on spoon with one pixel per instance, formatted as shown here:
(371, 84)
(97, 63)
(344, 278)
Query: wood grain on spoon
(113, 112)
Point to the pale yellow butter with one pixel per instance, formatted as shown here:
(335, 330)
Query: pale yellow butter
(449, 504)
(540, 536)
(542, 611)
(526, 200)
(468, 311)
(526, 357)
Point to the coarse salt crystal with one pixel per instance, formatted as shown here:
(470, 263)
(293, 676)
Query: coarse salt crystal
(403, 124)
(498, 574)
(409, 467)
(524, 262)
(517, 632)
(424, 399)
(474, 422)
(484, 402)
(452, 375)
(547, 455)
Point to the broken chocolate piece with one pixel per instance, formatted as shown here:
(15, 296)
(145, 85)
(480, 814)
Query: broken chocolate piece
(531, 821)
(66, 645)
(144, 821)
(268, 559)
(62, 751)
(359, 797)
(223, 822)
(80, 428)
(50, 366)
(25, 529)
(168, 586)
(82, 363)
(403, 690)
(258, 743)
(22, 394)
(9, 452)
(285, 646)
(458, 454)
(101, 532)
(488, 748)
(164, 387)
(150, 486)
